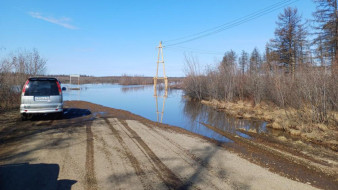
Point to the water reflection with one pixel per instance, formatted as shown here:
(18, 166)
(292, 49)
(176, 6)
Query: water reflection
(127, 89)
(160, 89)
(158, 93)
(200, 113)
(163, 106)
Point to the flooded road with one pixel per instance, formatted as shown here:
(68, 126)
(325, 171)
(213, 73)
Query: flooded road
(96, 147)
(169, 108)
(110, 148)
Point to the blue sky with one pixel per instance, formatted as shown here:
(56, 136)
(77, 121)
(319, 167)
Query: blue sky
(104, 38)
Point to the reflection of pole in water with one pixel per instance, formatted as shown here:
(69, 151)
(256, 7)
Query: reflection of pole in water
(164, 98)
(78, 94)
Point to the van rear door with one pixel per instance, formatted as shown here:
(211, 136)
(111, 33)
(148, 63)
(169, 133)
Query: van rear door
(42, 93)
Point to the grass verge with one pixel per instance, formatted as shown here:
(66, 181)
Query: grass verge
(294, 122)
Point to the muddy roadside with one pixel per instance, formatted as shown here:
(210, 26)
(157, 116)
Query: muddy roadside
(81, 116)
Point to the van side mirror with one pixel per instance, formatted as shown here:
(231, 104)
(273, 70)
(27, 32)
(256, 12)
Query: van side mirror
(64, 88)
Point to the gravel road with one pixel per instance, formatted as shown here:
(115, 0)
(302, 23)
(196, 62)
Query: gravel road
(88, 150)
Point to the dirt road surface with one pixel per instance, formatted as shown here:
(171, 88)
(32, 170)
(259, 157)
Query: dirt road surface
(94, 147)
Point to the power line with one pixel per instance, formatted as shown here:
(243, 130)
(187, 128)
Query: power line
(194, 50)
(249, 15)
(231, 24)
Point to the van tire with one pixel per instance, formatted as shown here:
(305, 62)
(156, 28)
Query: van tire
(24, 117)
(59, 115)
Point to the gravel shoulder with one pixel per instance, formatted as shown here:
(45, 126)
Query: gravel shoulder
(95, 147)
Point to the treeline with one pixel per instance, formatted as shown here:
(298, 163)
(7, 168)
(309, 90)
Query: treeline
(15, 68)
(122, 80)
(292, 71)
(85, 79)
(142, 80)
(135, 80)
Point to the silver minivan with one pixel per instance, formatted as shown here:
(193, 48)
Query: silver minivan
(41, 95)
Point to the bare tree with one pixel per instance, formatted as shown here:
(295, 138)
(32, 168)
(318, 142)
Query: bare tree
(320, 54)
(326, 18)
(302, 44)
(194, 85)
(271, 57)
(229, 59)
(243, 61)
(227, 71)
(29, 62)
(289, 37)
(14, 70)
(255, 60)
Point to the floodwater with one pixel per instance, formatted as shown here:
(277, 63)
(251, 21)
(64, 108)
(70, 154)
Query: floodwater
(169, 108)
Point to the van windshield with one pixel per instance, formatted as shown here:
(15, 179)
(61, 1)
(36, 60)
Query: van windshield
(42, 88)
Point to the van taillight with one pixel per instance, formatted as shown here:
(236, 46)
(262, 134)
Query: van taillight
(59, 87)
(24, 87)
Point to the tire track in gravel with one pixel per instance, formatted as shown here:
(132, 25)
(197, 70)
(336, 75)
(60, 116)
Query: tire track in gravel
(90, 179)
(71, 166)
(197, 159)
(108, 155)
(201, 163)
(135, 164)
(169, 178)
(153, 165)
(191, 155)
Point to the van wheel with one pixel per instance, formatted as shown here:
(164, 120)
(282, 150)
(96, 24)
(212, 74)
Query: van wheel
(23, 117)
(59, 115)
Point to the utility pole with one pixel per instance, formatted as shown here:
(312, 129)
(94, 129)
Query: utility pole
(160, 60)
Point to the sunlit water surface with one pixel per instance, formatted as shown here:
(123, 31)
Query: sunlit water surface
(176, 109)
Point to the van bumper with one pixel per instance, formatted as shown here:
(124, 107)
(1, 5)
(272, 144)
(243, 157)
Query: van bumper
(29, 110)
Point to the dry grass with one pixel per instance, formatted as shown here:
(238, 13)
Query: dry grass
(285, 119)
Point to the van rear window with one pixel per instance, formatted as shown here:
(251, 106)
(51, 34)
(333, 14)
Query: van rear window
(42, 88)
